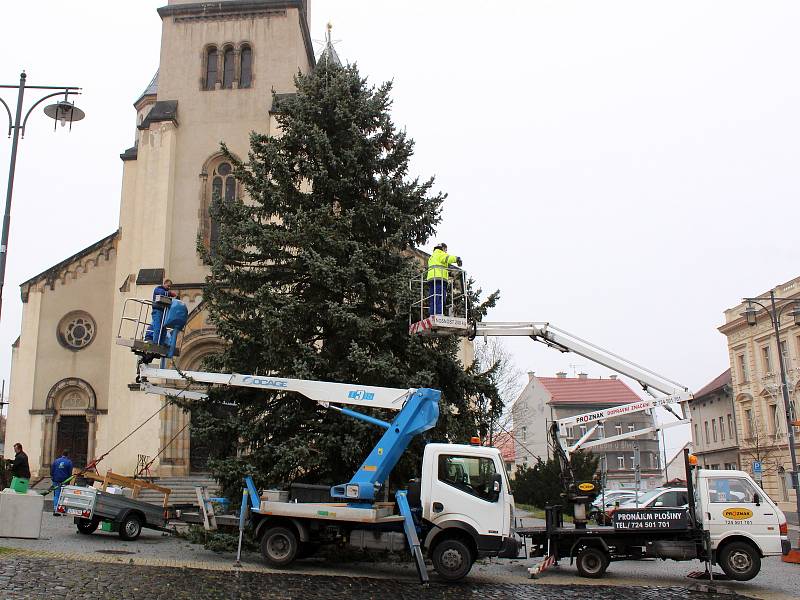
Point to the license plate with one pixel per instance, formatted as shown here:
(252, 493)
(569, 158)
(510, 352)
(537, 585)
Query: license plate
(75, 511)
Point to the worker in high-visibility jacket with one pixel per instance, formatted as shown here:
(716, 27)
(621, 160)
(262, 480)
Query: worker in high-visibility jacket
(438, 265)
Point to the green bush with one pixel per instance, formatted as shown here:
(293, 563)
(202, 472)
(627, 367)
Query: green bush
(541, 484)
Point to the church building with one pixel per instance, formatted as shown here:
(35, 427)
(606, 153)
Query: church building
(220, 63)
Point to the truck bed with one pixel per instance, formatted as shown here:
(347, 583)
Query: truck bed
(380, 513)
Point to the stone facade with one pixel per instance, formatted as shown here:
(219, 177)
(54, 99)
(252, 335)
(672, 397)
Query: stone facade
(757, 397)
(546, 399)
(219, 64)
(714, 432)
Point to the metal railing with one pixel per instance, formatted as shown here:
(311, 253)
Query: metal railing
(136, 323)
(136, 320)
(455, 302)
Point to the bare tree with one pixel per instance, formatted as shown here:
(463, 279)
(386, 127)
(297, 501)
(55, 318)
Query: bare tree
(494, 358)
(761, 448)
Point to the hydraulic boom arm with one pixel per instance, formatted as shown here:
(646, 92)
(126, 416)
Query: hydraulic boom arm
(567, 342)
(319, 391)
(419, 411)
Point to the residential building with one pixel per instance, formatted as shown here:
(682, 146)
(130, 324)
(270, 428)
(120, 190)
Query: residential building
(545, 399)
(504, 442)
(219, 65)
(756, 389)
(714, 432)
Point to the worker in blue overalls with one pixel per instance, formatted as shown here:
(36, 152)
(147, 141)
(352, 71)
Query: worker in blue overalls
(60, 471)
(157, 315)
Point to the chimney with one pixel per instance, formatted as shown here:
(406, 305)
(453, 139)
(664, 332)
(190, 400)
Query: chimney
(583, 376)
(531, 375)
(561, 375)
(612, 376)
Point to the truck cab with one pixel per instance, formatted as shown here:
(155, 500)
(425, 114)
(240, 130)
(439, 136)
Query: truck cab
(467, 507)
(744, 523)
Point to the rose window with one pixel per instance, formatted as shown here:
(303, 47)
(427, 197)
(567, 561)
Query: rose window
(76, 330)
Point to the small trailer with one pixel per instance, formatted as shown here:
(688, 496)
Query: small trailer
(93, 508)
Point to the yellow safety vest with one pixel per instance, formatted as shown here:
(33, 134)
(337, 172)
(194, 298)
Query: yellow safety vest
(438, 263)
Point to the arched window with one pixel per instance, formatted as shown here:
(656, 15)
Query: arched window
(211, 68)
(246, 67)
(223, 189)
(229, 69)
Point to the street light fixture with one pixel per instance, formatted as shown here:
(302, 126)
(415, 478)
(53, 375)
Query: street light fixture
(62, 111)
(775, 314)
(795, 313)
(750, 313)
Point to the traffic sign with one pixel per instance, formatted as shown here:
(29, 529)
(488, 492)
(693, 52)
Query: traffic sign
(757, 467)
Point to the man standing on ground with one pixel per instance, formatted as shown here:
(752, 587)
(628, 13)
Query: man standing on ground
(60, 471)
(438, 265)
(20, 467)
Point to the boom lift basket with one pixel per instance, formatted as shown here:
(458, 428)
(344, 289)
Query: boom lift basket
(147, 339)
(425, 318)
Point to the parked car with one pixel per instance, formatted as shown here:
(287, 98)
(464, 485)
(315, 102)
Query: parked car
(607, 500)
(657, 498)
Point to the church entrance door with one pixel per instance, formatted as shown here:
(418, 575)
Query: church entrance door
(73, 435)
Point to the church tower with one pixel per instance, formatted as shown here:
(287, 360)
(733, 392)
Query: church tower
(219, 65)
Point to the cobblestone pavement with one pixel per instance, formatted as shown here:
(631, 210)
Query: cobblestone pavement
(26, 577)
(60, 543)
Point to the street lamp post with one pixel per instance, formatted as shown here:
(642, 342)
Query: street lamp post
(62, 111)
(775, 312)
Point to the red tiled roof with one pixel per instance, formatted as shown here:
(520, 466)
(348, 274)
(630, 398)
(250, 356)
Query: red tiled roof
(505, 443)
(713, 386)
(571, 390)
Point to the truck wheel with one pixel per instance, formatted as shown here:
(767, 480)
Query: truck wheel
(740, 561)
(87, 526)
(592, 562)
(452, 559)
(130, 528)
(279, 546)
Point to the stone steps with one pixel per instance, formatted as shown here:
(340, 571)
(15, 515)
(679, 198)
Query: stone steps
(182, 489)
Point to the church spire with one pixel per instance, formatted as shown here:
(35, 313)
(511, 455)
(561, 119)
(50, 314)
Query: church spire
(329, 53)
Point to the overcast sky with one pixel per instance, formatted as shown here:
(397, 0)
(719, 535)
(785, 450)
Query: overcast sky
(625, 170)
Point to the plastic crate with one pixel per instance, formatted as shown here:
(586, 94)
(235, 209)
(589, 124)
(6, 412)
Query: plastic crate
(19, 485)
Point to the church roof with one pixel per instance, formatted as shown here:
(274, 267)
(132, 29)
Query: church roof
(51, 273)
(329, 54)
(150, 90)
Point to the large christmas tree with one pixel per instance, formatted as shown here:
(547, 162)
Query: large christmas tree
(310, 279)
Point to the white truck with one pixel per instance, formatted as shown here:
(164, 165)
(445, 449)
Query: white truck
(462, 510)
(730, 521)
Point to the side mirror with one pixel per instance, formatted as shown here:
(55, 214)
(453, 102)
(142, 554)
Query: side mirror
(658, 503)
(495, 485)
(757, 499)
